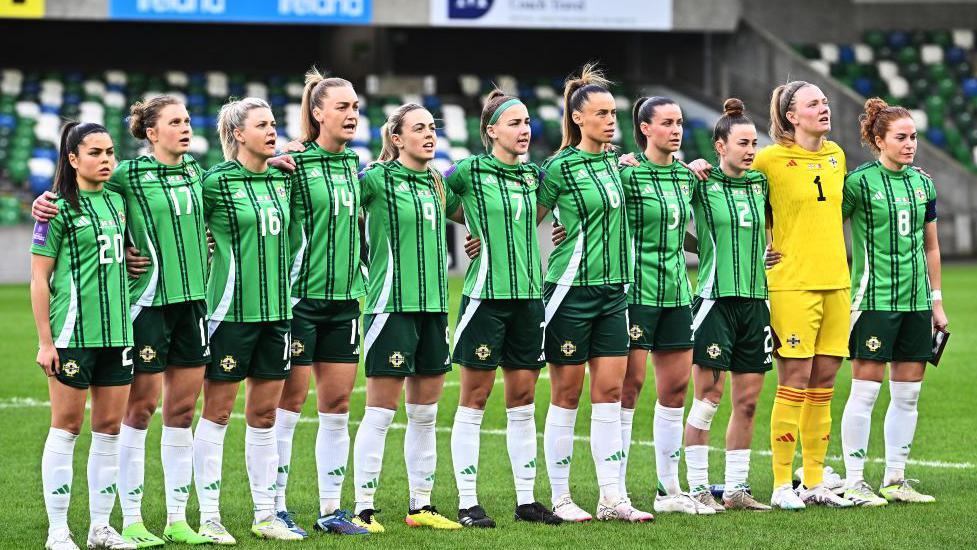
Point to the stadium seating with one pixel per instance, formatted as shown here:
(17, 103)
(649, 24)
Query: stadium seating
(33, 105)
(929, 72)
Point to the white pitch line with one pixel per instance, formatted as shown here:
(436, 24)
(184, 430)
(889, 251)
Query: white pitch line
(27, 403)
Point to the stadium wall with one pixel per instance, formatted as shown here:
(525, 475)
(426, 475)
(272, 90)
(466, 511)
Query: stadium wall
(752, 61)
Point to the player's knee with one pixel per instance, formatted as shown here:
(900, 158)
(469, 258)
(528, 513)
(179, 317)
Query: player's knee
(745, 410)
(518, 397)
(630, 392)
(70, 425)
(476, 398)
(701, 414)
(294, 402)
(334, 404)
(140, 413)
(261, 418)
(180, 415)
(566, 400)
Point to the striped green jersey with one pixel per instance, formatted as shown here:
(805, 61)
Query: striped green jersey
(89, 291)
(248, 216)
(657, 199)
(730, 222)
(500, 210)
(888, 212)
(166, 224)
(405, 233)
(585, 193)
(325, 233)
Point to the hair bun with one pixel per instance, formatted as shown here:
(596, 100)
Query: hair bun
(733, 107)
(495, 93)
(874, 106)
(137, 120)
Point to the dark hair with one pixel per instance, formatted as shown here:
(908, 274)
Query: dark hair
(65, 177)
(876, 119)
(145, 114)
(494, 100)
(644, 111)
(316, 88)
(576, 91)
(733, 114)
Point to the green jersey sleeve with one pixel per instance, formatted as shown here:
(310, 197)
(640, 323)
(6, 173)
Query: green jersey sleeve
(47, 236)
(849, 198)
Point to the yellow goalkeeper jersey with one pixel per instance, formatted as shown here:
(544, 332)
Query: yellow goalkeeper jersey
(805, 202)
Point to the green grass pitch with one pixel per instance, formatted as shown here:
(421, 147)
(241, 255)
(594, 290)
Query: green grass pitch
(943, 458)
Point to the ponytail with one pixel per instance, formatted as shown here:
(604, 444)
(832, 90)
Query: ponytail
(781, 102)
(644, 111)
(65, 176)
(389, 151)
(316, 88)
(576, 91)
(231, 117)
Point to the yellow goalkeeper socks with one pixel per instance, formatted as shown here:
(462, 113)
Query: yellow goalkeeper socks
(784, 428)
(815, 426)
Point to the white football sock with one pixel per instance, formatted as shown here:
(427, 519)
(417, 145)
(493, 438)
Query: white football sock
(285, 422)
(605, 447)
(208, 457)
(176, 454)
(856, 424)
(132, 473)
(261, 460)
(56, 476)
(558, 448)
(697, 463)
(520, 438)
(368, 454)
(421, 452)
(667, 435)
(103, 476)
(464, 453)
(627, 421)
(331, 456)
(737, 469)
(900, 428)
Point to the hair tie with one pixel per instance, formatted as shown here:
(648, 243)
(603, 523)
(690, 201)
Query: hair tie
(505, 105)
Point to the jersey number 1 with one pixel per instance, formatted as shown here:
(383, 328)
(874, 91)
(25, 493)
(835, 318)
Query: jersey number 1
(821, 197)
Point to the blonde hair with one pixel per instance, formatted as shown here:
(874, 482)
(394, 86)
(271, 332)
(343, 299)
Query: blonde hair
(389, 151)
(781, 102)
(316, 88)
(575, 94)
(231, 117)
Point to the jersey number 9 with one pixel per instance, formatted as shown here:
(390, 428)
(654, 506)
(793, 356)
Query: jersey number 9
(430, 212)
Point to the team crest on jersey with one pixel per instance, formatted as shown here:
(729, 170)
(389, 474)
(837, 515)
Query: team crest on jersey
(529, 179)
(833, 161)
(793, 341)
(714, 351)
(122, 218)
(191, 172)
(228, 363)
(483, 352)
(635, 332)
(920, 194)
(147, 354)
(396, 359)
(297, 347)
(281, 192)
(873, 344)
(685, 189)
(568, 348)
(70, 368)
(757, 189)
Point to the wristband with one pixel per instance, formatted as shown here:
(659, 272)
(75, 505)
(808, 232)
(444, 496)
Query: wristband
(937, 295)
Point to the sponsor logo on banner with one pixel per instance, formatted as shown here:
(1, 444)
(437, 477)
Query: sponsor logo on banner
(351, 12)
(566, 14)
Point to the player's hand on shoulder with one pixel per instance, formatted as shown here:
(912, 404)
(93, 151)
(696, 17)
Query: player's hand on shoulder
(627, 159)
(285, 163)
(699, 167)
(43, 208)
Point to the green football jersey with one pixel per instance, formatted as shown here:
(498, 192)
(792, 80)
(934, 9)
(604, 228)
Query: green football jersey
(166, 224)
(888, 212)
(89, 291)
(584, 192)
(730, 222)
(657, 199)
(500, 210)
(325, 233)
(248, 216)
(405, 233)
